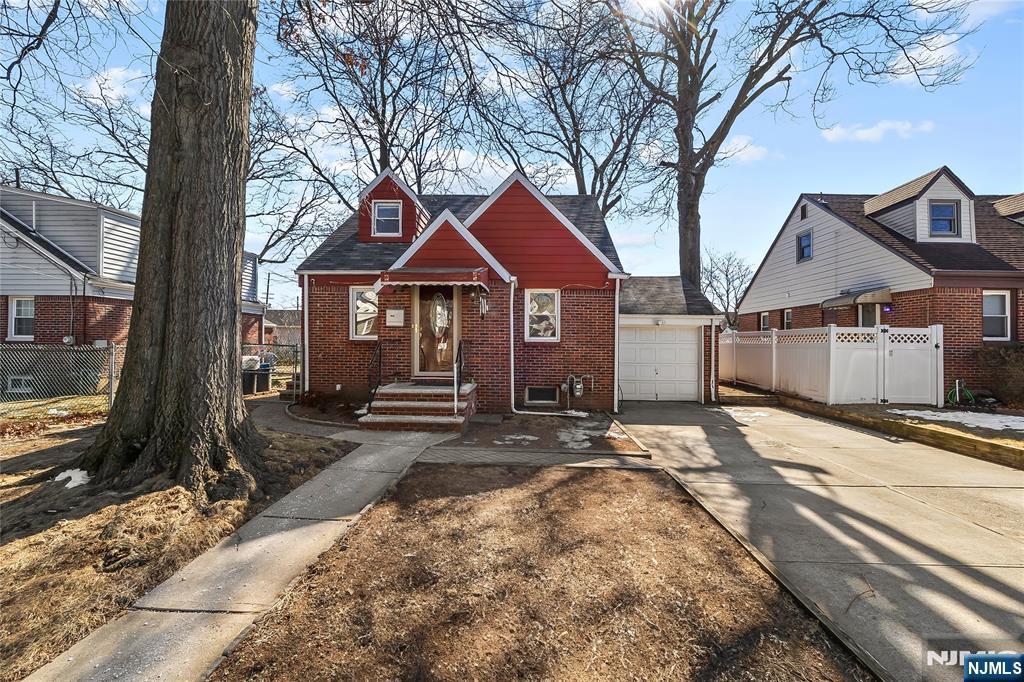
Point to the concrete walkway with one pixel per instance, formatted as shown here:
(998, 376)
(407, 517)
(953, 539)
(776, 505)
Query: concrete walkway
(179, 630)
(902, 546)
(442, 454)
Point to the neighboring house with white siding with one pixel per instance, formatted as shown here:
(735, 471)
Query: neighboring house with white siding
(927, 252)
(68, 267)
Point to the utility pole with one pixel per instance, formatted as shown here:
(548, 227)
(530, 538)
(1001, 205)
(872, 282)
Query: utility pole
(266, 300)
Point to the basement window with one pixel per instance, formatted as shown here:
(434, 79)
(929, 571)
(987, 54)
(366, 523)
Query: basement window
(19, 384)
(541, 395)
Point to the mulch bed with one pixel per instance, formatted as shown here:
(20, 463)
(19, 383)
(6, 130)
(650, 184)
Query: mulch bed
(593, 433)
(518, 572)
(73, 558)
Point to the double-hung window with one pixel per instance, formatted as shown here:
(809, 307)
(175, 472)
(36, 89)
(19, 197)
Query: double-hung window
(22, 319)
(868, 314)
(944, 218)
(542, 315)
(804, 247)
(995, 315)
(387, 219)
(362, 313)
(787, 318)
(763, 322)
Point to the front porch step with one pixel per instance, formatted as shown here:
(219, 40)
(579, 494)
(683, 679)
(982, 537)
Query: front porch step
(417, 407)
(407, 391)
(404, 422)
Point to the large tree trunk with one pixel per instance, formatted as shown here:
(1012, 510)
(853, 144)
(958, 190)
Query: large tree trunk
(179, 409)
(688, 209)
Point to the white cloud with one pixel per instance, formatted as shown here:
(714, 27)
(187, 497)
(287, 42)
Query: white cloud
(741, 148)
(876, 133)
(633, 239)
(114, 83)
(284, 91)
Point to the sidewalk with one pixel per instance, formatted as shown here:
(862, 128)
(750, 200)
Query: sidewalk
(179, 630)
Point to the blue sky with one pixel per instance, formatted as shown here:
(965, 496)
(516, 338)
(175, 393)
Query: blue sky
(975, 127)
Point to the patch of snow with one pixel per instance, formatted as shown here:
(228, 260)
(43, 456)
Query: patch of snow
(979, 420)
(577, 437)
(57, 413)
(743, 414)
(362, 410)
(76, 477)
(514, 438)
(575, 413)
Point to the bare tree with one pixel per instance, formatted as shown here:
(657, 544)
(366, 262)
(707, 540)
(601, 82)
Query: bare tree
(723, 279)
(554, 100)
(377, 88)
(179, 408)
(723, 56)
(95, 147)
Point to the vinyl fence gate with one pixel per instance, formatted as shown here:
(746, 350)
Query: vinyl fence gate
(837, 365)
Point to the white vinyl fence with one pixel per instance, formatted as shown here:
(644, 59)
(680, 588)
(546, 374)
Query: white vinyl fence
(837, 365)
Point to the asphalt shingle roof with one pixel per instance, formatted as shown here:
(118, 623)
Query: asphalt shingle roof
(343, 250)
(670, 295)
(999, 247)
(1012, 205)
(907, 190)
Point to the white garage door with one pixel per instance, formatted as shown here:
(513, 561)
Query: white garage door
(659, 363)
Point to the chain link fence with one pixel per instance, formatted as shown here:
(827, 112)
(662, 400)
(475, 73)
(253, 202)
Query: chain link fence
(43, 382)
(271, 367)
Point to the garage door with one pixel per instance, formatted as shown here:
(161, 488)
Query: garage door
(659, 363)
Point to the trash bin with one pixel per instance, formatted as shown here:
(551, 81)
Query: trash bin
(262, 380)
(249, 381)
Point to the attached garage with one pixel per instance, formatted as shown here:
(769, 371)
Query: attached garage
(661, 340)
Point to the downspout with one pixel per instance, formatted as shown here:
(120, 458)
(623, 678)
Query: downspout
(305, 333)
(714, 372)
(615, 354)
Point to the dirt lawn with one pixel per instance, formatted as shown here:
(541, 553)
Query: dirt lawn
(27, 417)
(73, 558)
(511, 572)
(593, 433)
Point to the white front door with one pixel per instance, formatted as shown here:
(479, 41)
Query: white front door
(659, 363)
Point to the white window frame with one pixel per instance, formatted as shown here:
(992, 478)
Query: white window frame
(787, 318)
(21, 391)
(764, 322)
(860, 314)
(11, 304)
(373, 213)
(353, 292)
(527, 401)
(558, 316)
(1005, 293)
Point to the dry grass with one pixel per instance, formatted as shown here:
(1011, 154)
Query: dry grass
(27, 417)
(557, 573)
(72, 559)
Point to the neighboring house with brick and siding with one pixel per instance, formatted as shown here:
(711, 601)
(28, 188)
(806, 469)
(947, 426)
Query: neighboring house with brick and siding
(927, 252)
(284, 326)
(67, 271)
(527, 285)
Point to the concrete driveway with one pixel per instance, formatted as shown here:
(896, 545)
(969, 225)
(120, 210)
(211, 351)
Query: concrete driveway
(903, 546)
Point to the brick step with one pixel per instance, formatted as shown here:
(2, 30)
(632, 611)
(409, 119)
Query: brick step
(403, 392)
(392, 422)
(416, 407)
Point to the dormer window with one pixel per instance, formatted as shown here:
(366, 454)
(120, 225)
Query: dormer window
(944, 218)
(387, 219)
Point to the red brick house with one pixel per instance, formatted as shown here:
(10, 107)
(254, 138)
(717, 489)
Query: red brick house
(513, 296)
(927, 252)
(67, 272)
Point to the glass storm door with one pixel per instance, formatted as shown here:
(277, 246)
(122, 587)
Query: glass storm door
(437, 330)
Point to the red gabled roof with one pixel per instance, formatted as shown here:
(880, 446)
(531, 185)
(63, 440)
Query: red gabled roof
(446, 243)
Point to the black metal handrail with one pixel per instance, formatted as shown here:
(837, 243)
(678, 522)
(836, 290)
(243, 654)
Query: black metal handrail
(375, 374)
(457, 369)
